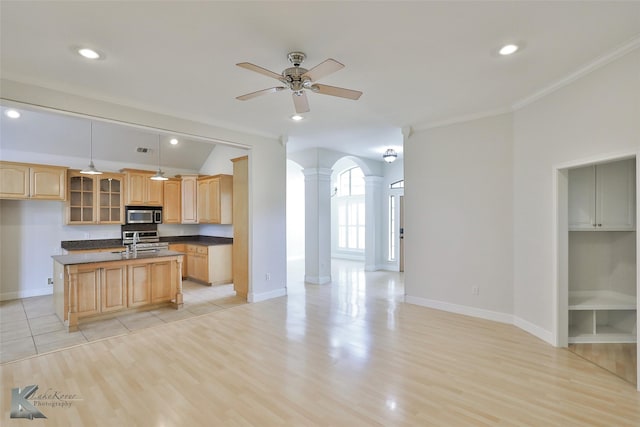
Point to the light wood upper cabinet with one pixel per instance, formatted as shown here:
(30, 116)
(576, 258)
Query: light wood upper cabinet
(189, 199)
(30, 181)
(171, 210)
(215, 199)
(141, 190)
(602, 197)
(95, 199)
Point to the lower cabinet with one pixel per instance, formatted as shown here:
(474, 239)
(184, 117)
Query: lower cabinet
(209, 264)
(139, 292)
(162, 284)
(113, 285)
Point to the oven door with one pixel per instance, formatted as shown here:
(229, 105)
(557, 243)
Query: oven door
(135, 216)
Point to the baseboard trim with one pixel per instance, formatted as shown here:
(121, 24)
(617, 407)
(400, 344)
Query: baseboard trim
(461, 309)
(518, 322)
(317, 280)
(262, 296)
(534, 330)
(25, 293)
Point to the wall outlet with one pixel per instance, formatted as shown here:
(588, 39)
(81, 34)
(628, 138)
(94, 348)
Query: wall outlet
(475, 290)
(267, 276)
(50, 281)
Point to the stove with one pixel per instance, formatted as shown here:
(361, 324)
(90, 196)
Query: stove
(145, 240)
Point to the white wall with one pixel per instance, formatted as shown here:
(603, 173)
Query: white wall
(597, 115)
(219, 161)
(603, 260)
(459, 218)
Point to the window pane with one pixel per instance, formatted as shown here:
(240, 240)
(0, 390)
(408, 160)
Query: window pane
(353, 238)
(392, 229)
(342, 237)
(343, 189)
(357, 181)
(360, 237)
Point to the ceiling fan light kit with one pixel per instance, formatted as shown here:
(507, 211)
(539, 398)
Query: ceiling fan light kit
(299, 79)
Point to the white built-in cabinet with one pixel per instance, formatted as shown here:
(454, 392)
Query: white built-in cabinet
(602, 197)
(602, 297)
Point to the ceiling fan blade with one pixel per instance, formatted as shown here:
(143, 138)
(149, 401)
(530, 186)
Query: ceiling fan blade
(323, 69)
(336, 91)
(257, 69)
(260, 92)
(301, 102)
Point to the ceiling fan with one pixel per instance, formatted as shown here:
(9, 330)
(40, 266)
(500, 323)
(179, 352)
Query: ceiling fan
(298, 79)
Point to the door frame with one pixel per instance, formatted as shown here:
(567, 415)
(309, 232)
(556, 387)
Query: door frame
(561, 242)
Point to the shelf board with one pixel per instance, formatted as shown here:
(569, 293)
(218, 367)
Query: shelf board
(602, 338)
(601, 300)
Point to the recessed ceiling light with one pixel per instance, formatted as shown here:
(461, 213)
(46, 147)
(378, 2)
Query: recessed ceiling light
(296, 117)
(508, 49)
(12, 114)
(174, 141)
(89, 53)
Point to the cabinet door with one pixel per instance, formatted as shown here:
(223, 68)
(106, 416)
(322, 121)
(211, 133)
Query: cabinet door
(189, 200)
(155, 192)
(80, 202)
(110, 199)
(189, 262)
(172, 201)
(139, 285)
(162, 280)
(214, 201)
(88, 292)
(113, 287)
(136, 188)
(615, 196)
(203, 202)
(582, 198)
(48, 183)
(14, 181)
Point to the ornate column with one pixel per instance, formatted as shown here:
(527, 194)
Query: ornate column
(317, 201)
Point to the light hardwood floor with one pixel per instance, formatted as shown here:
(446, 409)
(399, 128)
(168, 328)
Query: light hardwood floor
(620, 359)
(346, 354)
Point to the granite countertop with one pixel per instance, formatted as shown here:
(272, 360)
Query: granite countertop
(76, 245)
(90, 258)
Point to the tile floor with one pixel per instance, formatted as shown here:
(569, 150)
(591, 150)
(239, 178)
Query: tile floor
(30, 326)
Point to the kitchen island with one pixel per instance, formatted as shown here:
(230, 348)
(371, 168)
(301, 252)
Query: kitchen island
(98, 284)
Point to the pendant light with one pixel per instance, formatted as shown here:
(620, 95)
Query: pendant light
(159, 176)
(390, 155)
(91, 170)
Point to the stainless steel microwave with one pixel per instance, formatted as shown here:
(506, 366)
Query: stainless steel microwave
(144, 215)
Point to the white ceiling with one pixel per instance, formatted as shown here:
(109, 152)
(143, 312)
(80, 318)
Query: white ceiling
(416, 62)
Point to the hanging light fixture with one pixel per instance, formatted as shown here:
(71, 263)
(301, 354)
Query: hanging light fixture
(390, 155)
(91, 170)
(159, 176)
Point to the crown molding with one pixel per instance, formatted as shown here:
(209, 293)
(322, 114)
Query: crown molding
(462, 119)
(599, 62)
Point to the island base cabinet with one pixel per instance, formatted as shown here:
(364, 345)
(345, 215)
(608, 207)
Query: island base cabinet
(113, 288)
(86, 290)
(161, 275)
(87, 295)
(139, 285)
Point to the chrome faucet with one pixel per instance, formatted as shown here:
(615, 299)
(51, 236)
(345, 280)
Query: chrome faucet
(136, 239)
